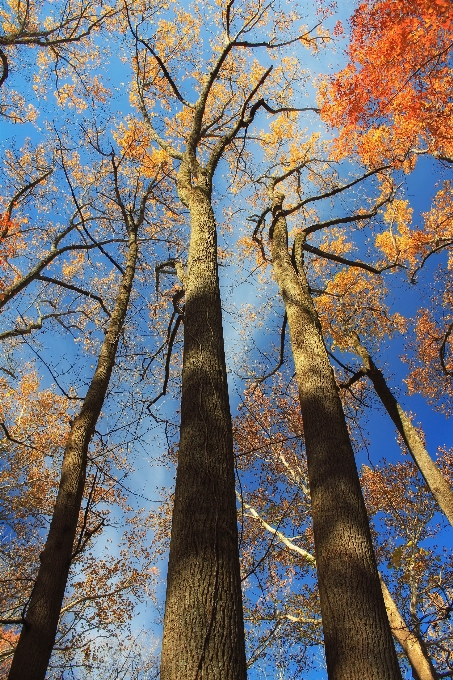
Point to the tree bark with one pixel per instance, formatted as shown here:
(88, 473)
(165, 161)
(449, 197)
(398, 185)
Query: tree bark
(433, 477)
(203, 627)
(418, 659)
(357, 636)
(37, 638)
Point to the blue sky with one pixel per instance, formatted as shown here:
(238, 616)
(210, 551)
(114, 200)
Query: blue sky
(148, 477)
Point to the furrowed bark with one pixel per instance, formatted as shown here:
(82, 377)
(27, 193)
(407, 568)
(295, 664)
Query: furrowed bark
(418, 659)
(37, 638)
(203, 627)
(433, 477)
(421, 664)
(357, 636)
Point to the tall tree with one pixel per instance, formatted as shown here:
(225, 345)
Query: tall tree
(203, 626)
(42, 614)
(357, 635)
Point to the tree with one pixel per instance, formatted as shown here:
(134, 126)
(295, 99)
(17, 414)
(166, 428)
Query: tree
(199, 102)
(203, 627)
(64, 43)
(340, 523)
(43, 610)
(278, 539)
(392, 99)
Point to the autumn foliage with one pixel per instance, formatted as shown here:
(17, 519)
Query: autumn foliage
(394, 96)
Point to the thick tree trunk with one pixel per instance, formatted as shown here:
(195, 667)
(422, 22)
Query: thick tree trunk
(420, 662)
(357, 636)
(434, 478)
(37, 638)
(203, 626)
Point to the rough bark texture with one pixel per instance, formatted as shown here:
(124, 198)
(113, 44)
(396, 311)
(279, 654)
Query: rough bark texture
(357, 636)
(421, 665)
(203, 626)
(38, 632)
(434, 478)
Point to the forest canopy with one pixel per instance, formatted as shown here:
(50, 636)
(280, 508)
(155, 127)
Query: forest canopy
(226, 363)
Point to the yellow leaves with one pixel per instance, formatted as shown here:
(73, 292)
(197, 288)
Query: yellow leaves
(74, 265)
(135, 141)
(410, 246)
(354, 302)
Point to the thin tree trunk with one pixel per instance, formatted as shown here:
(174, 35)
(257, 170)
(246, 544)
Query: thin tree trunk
(357, 636)
(420, 662)
(37, 638)
(433, 477)
(203, 627)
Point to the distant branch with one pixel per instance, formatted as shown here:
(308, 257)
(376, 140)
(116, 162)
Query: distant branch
(70, 286)
(5, 71)
(282, 353)
(167, 362)
(28, 187)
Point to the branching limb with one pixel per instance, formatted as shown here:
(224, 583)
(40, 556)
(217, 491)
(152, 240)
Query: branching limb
(308, 557)
(161, 64)
(167, 363)
(344, 260)
(32, 326)
(14, 440)
(443, 348)
(31, 185)
(282, 353)
(76, 289)
(5, 72)
(334, 192)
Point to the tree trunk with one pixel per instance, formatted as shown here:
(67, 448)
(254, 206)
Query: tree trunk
(433, 477)
(37, 638)
(357, 636)
(203, 627)
(420, 662)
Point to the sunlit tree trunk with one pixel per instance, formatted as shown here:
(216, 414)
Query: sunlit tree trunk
(434, 478)
(37, 638)
(203, 626)
(357, 636)
(421, 665)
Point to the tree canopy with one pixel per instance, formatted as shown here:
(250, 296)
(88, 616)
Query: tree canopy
(225, 261)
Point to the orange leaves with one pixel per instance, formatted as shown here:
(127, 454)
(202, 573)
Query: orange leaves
(398, 74)
(432, 359)
(135, 141)
(11, 242)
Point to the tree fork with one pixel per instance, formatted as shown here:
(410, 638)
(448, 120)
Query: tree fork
(37, 637)
(357, 636)
(203, 625)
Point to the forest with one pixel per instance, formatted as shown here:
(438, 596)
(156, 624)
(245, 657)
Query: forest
(226, 340)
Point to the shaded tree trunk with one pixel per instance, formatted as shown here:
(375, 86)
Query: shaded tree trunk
(433, 477)
(203, 626)
(357, 636)
(37, 638)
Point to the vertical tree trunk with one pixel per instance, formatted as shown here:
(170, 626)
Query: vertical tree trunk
(433, 477)
(37, 638)
(357, 636)
(420, 662)
(203, 626)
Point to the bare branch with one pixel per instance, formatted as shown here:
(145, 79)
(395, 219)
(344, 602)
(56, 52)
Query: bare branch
(344, 260)
(5, 73)
(70, 286)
